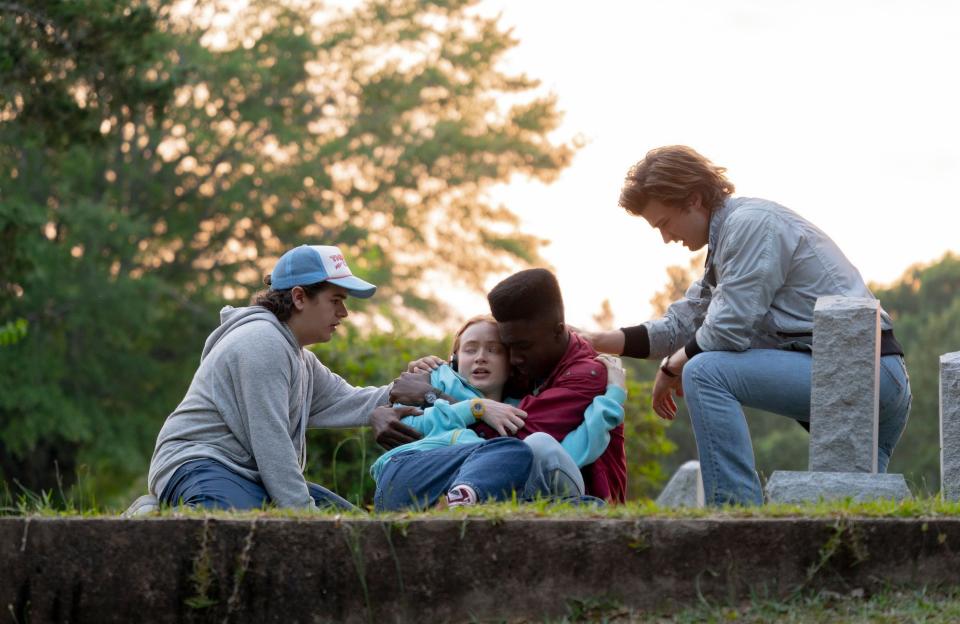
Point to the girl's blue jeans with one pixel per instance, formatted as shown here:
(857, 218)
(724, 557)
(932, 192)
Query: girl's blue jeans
(494, 468)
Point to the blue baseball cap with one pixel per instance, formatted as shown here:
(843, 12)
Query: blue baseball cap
(309, 264)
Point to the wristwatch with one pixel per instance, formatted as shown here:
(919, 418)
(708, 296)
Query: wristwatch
(430, 397)
(666, 371)
(477, 409)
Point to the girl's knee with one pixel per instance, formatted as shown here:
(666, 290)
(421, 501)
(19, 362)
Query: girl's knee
(518, 449)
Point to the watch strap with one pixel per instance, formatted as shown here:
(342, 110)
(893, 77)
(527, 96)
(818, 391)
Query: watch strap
(666, 371)
(477, 408)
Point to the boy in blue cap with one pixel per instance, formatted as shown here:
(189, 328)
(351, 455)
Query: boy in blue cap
(238, 438)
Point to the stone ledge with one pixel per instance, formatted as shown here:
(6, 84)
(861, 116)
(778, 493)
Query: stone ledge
(328, 570)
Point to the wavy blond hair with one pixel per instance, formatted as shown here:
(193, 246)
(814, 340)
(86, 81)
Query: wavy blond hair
(673, 174)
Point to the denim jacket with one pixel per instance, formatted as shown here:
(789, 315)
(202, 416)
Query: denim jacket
(766, 266)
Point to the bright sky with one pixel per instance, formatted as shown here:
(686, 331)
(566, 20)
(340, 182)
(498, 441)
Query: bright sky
(846, 111)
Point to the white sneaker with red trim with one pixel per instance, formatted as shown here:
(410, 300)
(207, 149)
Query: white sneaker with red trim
(460, 495)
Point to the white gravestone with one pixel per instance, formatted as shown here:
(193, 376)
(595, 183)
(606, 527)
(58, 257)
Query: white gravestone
(950, 426)
(845, 385)
(844, 410)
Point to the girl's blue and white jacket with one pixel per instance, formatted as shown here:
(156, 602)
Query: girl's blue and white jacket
(447, 423)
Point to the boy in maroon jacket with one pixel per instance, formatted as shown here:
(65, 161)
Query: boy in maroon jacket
(563, 368)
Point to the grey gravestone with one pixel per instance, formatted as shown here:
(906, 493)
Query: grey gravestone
(844, 410)
(685, 488)
(950, 426)
(787, 486)
(845, 385)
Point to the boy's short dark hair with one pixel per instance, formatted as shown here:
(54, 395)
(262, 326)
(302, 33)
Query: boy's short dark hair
(528, 295)
(280, 302)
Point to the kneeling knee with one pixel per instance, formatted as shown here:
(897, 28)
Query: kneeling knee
(700, 368)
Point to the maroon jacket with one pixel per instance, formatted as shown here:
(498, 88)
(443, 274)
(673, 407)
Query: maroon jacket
(557, 408)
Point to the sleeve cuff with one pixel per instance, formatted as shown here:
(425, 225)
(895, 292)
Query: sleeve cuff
(636, 341)
(692, 348)
(617, 394)
(462, 411)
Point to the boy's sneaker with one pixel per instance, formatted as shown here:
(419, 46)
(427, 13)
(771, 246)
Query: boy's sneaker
(460, 495)
(142, 506)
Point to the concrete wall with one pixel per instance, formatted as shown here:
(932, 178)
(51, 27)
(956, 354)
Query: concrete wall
(326, 570)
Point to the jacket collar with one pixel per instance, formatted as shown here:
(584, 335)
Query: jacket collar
(577, 349)
(717, 219)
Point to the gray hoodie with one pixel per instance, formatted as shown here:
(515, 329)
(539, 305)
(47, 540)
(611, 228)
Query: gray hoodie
(250, 403)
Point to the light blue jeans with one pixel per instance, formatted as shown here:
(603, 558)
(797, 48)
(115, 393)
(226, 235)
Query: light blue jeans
(553, 473)
(717, 384)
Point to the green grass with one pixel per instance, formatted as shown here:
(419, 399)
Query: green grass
(16, 500)
(78, 500)
(56, 503)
